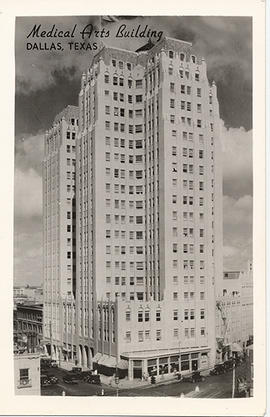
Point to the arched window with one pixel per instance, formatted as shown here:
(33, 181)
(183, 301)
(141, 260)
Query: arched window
(182, 57)
(193, 59)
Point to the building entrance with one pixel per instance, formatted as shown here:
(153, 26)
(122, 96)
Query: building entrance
(194, 364)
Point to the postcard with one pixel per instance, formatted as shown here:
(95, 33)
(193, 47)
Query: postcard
(134, 167)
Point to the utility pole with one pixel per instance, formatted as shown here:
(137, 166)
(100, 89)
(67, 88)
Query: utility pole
(233, 380)
(51, 340)
(117, 378)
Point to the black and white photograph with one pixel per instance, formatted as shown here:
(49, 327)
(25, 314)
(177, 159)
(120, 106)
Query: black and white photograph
(133, 207)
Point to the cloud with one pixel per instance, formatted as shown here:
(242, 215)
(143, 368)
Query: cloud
(28, 194)
(237, 161)
(237, 231)
(222, 40)
(29, 152)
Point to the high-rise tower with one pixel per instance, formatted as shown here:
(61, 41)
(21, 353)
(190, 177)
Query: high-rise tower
(59, 234)
(148, 210)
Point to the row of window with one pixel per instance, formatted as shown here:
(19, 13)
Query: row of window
(145, 315)
(121, 97)
(188, 296)
(70, 135)
(146, 334)
(120, 81)
(140, 280)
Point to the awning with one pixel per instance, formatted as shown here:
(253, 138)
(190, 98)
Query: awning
(110, 361)
(236, 348)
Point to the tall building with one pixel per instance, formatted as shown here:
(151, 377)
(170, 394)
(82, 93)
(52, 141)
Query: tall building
(59, 234)
(148, 211)
(234, 314)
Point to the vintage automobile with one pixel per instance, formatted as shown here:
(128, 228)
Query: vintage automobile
(93, 379)
(195, 377)
(68, 378)
(219, 369)
(47, 380)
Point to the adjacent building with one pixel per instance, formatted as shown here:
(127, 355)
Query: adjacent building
(26, 293)
(146, 221)
(27, 327)
(234, 313)
(27, 374)
(59, 232)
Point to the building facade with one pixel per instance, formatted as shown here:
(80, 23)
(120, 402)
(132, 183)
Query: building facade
(149, 205)
(59, 233)
(27, 374)
(27, 327)
(234, 313)
(148, 214)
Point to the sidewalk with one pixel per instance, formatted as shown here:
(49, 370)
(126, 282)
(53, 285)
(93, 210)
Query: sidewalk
(137, 383)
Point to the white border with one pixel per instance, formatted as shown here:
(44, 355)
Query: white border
(11, 404)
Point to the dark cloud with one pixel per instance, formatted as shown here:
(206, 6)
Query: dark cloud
(47, 82)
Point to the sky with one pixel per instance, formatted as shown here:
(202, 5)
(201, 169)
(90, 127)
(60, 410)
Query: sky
(46, 82)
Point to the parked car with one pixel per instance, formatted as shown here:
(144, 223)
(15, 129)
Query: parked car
(219, 369)
(93, 379)
(228, 365)
(195, 377)
(46, 363)
(47, 380)
(70, 379)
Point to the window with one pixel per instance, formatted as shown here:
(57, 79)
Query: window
(172, 87)
(147, 315)
(172, 103)
(202, 295)
(128, 337)
(192, 314)
(158, 335)
(175, 296)
(175, 333)
(140, 336)
(175, 314)
(186, 314)
(188, 106)
(171, 54)
(202, 331)
(139, 83)
(172, 118)
(128, 315)
(24, 376)
(199, 123)
(140, 316)
(139, 98)
(158, 315)
(197, 76)
(183, 105)
(202, 314)
(192, 332)
(138, 128)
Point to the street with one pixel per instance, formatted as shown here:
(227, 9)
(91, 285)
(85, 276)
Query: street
(218, 386)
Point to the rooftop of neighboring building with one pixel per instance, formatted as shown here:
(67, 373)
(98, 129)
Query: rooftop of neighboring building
(68, 112)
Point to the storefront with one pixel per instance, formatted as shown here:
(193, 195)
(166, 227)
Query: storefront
(165, 365)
